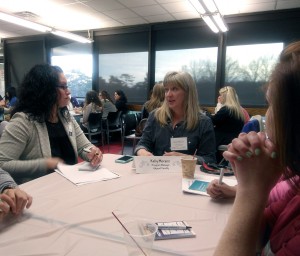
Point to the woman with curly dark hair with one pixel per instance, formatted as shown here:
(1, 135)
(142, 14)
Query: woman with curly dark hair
(42, 132)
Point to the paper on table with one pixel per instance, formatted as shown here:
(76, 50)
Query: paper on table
(72, 173)
(201, 183)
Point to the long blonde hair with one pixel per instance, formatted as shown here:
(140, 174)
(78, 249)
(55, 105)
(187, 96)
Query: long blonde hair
(157, 97)
(191, 105)
(231, 100)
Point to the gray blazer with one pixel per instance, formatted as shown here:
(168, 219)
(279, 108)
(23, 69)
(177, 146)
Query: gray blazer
(25, 144)
(6, 180)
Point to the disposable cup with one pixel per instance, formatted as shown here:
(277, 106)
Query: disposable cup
(188, 164)
(139, 236)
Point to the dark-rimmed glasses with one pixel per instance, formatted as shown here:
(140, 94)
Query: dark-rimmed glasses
(64, 87)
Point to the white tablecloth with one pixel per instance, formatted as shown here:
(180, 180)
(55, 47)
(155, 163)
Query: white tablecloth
(76, 220)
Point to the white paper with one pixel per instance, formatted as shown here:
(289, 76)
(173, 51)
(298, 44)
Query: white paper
(72, 173)
(186, 183)
(157, 164)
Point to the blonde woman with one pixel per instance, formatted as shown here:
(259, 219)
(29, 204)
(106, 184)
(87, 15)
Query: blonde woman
(229, 120)
(178, 121)
(156, 100)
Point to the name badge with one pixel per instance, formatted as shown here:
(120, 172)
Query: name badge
(179, 143)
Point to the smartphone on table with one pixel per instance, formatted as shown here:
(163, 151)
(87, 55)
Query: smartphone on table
(124, 159)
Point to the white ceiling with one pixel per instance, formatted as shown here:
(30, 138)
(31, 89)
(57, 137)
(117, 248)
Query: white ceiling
(78, 15)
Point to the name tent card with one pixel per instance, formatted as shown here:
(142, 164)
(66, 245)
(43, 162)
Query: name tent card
(159, 164)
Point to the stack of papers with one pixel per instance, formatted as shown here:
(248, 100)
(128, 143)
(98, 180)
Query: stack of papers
(84, 173)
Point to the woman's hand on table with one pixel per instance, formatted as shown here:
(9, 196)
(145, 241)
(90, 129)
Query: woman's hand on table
(220, 191)
(95, 156)
(143, 152)
(14, 200)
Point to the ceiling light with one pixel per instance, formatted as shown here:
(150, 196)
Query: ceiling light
(25, 23)
(220, 22)
(210, 14)
(210, 23)
(71, 36)
(41, 28)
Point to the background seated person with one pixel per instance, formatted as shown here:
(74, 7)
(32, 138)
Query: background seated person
(92, 104)
(178, 119)
(156, 100)
(121, 101)
(12, 199)
(42, 132)
(10, 100)
(107, 103)
(229, 120)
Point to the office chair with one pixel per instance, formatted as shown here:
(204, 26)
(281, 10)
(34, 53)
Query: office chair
(95, 127)
(114, 123)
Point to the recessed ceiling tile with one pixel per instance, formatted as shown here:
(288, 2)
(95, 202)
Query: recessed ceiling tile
(184, 6)
(121, 14)
(105, 5)
(288, 4)
(149, 10)
(186, 15)
(169, 1)
(257, 7)
(137, 3)
(133, 21)
(159, 18)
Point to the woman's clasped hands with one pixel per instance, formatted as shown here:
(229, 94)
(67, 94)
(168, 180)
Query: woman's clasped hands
(255, 163)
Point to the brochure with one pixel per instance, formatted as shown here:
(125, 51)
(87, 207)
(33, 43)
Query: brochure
(173, 230)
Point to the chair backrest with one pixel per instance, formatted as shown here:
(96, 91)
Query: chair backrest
(95, 120)
(1, 114)
(114, 119)
(130, 122)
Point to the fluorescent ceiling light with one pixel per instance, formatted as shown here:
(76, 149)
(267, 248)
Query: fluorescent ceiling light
(210, 23)
(198, 6)
(220, 23)
(24, 23)
(72, 36)
(210, 5)
(41, 28)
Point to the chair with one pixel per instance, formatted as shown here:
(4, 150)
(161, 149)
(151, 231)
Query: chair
(114, 123)
(1, 114)
(130, 123)
(95, 127)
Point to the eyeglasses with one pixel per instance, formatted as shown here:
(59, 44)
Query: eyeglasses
(64, 87)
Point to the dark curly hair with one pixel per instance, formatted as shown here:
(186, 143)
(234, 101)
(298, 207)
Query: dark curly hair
(38, 92)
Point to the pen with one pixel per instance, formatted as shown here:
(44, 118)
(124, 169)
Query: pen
(221, 175)
(174, 227)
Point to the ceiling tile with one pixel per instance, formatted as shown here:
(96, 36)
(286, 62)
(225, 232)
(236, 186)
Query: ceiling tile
(288, 4)
(184, 6)
(133, 21)
(105, 5)
(159, 18)
(137, 3)
(257, 7)
(185, 15)
(149, 10)
(121, 14)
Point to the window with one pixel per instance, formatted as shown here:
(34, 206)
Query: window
(123, 64)
(126, 72)
(248, 68)
(200, 63)
(77, 66)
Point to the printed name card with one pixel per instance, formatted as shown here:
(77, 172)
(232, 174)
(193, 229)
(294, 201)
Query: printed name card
(159, 164)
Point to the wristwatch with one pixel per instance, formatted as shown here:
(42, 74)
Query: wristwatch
(8, 187)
